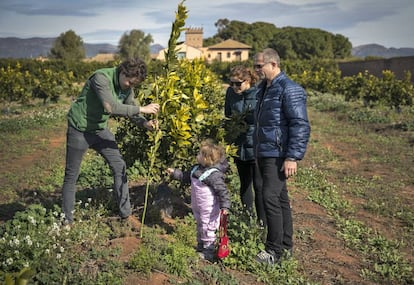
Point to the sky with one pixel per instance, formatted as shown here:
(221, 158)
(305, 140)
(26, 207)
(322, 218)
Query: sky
(388, 23)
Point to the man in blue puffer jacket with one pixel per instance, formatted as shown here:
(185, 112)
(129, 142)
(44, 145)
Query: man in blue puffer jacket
(281, 136)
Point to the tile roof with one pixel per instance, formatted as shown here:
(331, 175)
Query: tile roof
(230, 44)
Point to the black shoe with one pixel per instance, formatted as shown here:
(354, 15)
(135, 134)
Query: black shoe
(208, 253)
(199, 247)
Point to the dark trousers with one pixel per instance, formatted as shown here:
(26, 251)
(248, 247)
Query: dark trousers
(250, 180)
(104, 143)
(276, 205)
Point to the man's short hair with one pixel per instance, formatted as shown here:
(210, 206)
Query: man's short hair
(134, 68)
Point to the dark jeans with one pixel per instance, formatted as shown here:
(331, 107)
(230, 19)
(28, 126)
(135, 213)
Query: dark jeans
(104, 143)
(250, 179)
(277, 206)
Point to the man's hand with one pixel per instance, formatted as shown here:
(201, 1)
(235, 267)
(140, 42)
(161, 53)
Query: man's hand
(151, 125)
(170, 171)
(152, 108)
(290, 168)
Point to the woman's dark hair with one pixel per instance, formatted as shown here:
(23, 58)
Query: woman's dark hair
(134, 68)
(244, 73)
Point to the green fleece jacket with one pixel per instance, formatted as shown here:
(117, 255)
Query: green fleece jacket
(102, 97)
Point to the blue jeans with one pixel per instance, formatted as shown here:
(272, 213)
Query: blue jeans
(276, 205)
(77, 143)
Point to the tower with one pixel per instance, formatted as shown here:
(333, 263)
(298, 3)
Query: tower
(194, 37)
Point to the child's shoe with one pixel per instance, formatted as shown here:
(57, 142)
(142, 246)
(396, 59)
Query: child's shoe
(199, 247)
(208, 253)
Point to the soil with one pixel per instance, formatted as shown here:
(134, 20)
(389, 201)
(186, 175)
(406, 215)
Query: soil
(323, 257)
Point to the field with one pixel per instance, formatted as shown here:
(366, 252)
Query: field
(352, 201)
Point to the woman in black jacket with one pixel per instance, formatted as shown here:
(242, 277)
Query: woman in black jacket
(239, 108)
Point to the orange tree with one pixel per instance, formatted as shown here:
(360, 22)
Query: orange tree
(191, 99)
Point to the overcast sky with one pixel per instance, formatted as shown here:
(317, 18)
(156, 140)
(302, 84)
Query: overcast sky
(388, 23)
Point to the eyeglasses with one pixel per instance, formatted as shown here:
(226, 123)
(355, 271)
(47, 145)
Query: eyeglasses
(260, 66)
(236, 83)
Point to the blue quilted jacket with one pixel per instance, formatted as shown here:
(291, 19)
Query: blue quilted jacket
(282, 128)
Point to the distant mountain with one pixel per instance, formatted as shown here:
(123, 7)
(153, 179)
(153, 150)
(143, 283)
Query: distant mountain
(155, 49)
(381, 51)
(25, 48)
(35, 47)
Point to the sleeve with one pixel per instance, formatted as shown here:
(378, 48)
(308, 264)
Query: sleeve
(299, 127)
(217, 183)
(101, 86)
(223, 166)
(182, 176)
(227, 107)
(137, 119)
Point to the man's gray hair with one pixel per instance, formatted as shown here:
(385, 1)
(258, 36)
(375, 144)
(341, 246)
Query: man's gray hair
(271, 55)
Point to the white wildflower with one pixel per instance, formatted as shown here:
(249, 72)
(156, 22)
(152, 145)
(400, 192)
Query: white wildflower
(28, 240)
(31, 220)
(16, 241)
(9, 261)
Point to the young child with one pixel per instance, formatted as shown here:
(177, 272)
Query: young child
(209, 194)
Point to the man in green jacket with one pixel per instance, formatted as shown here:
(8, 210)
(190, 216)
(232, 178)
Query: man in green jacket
(107, 92)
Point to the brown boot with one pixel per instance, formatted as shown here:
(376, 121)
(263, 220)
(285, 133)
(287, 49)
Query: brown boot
(132, 222)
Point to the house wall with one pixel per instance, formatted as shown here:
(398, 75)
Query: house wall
(226, 55)
(183, 50)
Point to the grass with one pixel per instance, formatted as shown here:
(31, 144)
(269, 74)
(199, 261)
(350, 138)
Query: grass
(27, 155)
(355, 164)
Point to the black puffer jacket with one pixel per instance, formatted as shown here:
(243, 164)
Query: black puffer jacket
(242, 104)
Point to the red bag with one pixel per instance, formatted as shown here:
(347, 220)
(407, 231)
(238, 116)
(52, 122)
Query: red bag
(223, 247)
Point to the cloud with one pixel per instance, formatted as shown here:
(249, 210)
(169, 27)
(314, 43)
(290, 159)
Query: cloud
(107, 20)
